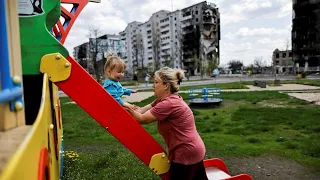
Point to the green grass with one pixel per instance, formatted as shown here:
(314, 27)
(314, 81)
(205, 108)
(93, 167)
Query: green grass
(310, 82)
(246, 124)
(235, 85)
(243, 84)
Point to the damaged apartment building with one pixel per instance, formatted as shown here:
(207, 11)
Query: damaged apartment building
(99, 48)
(306, 35)
(183, 39)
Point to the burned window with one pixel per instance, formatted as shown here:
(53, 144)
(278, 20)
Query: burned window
(284, 54)
(277, 55)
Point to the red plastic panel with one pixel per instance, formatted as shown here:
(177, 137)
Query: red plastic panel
(59, 112)
(44, 172)
(221, 165)
(91, 97)
(240, 177)
(216, 163)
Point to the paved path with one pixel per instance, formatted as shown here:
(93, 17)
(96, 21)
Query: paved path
(137, 97)
(222, 79)
(140, 96)
(310, 97)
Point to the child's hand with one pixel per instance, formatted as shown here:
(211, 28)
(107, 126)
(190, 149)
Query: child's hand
(131, 106)
(134, 90)
(135, 107)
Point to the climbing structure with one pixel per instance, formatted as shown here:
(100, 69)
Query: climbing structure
(68, 17)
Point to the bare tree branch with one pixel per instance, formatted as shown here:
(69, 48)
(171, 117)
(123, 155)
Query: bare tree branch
(94, 43)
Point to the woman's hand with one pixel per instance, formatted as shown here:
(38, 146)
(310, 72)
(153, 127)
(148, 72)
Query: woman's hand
(135, 107)
(135, 90)
(131, 106)
(145, 118)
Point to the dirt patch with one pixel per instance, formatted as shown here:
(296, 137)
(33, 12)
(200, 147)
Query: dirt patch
(270, 167)
(231, 103)
(272, 104)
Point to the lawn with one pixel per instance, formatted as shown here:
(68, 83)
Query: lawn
(246, 124)
(310, 82)
(243, 84)
(234, 85)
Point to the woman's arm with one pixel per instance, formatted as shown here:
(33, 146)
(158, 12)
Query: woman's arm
(145, 109)
(145, 118)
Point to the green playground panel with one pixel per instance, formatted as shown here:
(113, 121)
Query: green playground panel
(35, 37)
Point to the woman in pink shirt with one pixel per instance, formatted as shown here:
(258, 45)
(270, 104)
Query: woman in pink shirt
(176, 125)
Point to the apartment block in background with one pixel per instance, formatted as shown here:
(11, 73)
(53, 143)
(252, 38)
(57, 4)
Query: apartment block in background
(200, 25)
(174, 38)
(306, 35)
(283, 62)
(99, 48)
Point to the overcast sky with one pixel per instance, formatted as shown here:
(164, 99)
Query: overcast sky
(249, 28)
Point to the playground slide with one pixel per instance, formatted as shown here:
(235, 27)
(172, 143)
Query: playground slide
(216, 169)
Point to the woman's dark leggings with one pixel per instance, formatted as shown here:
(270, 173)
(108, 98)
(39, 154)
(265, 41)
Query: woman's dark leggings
(188, 172)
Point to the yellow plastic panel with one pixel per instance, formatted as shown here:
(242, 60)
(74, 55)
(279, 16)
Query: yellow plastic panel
(24, 164)
(160, 163)
(56, 66)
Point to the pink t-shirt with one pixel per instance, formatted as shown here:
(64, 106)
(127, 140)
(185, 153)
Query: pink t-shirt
(177, 127)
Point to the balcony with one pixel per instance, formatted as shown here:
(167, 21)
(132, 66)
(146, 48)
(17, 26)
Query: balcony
(168, 46)
(165, 28)
(186, 18)
(165, 53)
(165, 41)
(187, 31)
(164, 22)
(186, 24)
(165, 34)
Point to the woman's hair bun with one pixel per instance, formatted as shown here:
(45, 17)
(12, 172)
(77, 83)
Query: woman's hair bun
(179, 74)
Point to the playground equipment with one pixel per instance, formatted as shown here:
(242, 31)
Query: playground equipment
(207, 96)
(32, 69)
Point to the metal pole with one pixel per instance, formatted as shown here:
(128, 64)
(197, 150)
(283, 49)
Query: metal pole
(6, 82)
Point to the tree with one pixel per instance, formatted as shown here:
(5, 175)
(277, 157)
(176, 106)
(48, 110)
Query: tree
(235, 65)
(168, 61)
(200, 64)
(156, 46)
(140, 51)
(211, 65)
(94, 41)
(179, 48)
(259, 63)
(82, 55)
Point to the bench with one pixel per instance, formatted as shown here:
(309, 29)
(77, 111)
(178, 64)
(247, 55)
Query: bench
(261, 84)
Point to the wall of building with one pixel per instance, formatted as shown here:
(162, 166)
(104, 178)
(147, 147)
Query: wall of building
(283, 62)
(306, 33)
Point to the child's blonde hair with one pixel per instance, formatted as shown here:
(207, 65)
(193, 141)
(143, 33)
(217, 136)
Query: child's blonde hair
(113, 61)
